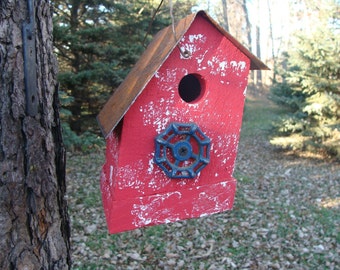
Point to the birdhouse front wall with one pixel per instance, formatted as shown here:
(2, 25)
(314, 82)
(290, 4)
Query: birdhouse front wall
(130, 175)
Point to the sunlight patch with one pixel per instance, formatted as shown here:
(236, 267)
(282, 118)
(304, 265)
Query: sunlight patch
(330, 203)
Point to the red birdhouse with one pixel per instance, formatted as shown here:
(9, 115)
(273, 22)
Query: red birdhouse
(172, 127)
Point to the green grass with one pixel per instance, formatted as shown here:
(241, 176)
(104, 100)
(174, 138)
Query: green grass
(326, 219)
(258, 116)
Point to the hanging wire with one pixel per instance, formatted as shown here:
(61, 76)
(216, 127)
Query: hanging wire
(172, 19)
(185, 53)
(150, 24)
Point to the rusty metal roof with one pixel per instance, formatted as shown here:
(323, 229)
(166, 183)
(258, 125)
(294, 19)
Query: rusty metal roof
(148, 64)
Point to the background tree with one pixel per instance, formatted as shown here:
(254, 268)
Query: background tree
(232, 17)
(247, 25)
(311, 87)
(91, 41)
(225, 22)
(34, 225)
(258, 73)
(97, 43)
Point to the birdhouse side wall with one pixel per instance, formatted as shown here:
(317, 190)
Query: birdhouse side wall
(108, 173)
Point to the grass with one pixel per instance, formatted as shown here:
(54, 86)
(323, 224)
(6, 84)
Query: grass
(279, 221)
(259, 114)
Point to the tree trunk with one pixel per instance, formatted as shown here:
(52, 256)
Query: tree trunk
(225, 15)
(271, 36)
(258, 54)
(258, 77)
(248, 25)
(34, 224)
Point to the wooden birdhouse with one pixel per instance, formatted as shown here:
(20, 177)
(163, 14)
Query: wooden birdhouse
(172, 127)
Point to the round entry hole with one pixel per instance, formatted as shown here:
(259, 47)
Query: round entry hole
(190, 88)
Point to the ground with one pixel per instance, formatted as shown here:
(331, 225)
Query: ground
(286, 213)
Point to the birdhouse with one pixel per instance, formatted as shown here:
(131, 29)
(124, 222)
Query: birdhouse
(172, 127)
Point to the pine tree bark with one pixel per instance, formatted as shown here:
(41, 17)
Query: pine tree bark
(34, 224)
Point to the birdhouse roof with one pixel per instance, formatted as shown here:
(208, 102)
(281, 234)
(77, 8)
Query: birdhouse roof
(148, 64)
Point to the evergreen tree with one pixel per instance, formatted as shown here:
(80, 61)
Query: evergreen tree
(97, 43)
(311, 90)
(93, 52)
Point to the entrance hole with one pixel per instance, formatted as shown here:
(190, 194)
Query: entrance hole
(190, 88)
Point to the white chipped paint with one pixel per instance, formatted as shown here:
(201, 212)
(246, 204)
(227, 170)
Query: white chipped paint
(129, 177)
(161, 123)
(198, 37)
(200, 58)
(211, 202)
(223, 146)
(202, 195)
(106, 189)
(193, 106)
(191, 48)
(192, 43)
(224, 184)
(211, 62)
(151, 164)
(233, 64)
(171, 220)
(167, 77)
(113, 152)
(153, 184)
(153, 114)
(157, 181)
(111, 175)
(114, 144)
(238, 65)
(242, 65)
(145, 214)
(169, 194)
(157, 113)
(223, 65)
(219, 66)
(245, 91)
